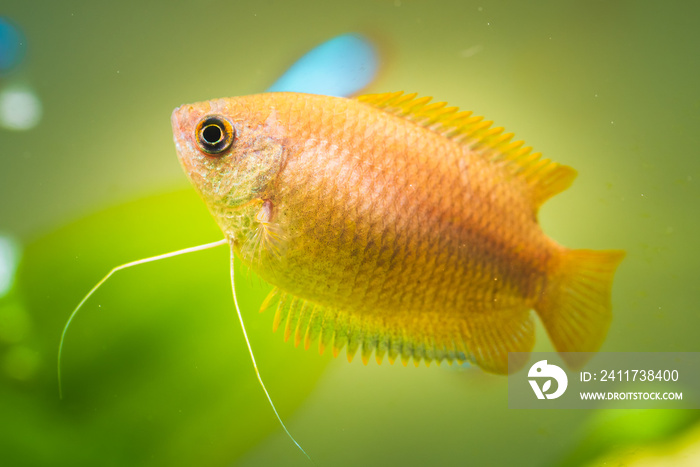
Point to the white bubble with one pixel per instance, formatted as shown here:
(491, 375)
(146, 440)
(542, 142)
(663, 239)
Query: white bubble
(9, 258)
(20, 109)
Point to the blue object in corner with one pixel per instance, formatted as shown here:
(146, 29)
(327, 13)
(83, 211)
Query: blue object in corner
(342, 66)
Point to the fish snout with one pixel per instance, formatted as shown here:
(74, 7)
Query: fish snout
(181, 128)
(179, 118)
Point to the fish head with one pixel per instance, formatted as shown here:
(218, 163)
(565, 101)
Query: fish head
(231, 149)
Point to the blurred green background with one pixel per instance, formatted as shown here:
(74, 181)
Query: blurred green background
(156, 371)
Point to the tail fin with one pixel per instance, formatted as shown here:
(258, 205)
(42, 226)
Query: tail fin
(575, 306)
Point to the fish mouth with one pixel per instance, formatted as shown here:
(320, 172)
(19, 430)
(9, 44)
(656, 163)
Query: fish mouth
(178, 117)
(179, 120)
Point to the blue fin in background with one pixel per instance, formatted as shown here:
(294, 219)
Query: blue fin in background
(11, 44)
(341, 66)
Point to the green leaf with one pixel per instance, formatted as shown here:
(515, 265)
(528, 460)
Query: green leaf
(155, 369)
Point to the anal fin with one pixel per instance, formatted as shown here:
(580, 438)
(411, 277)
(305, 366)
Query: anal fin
(490, 336)
(485, 338)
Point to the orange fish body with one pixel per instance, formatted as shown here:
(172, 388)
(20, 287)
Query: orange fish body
(395, 226)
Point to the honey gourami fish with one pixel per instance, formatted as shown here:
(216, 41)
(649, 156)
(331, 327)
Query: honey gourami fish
(393, 225)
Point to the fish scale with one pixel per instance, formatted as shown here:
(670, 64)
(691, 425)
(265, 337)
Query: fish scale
(409, 228)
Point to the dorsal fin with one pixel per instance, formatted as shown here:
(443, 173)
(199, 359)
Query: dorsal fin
(546, 178)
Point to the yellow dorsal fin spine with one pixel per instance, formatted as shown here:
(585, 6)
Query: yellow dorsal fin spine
(545, 178)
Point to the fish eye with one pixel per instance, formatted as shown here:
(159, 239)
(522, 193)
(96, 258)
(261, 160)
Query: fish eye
(214, 135)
